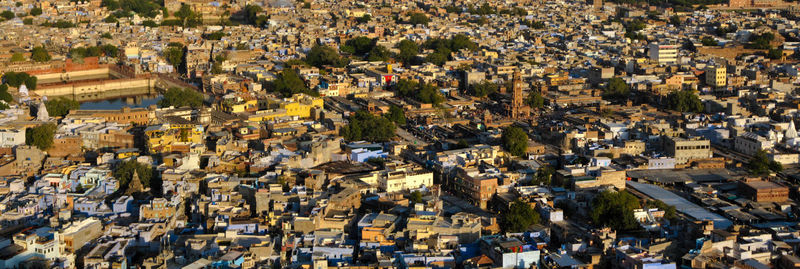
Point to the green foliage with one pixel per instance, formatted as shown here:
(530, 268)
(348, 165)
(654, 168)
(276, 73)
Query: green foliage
(533, 24)
(761, 165)
(41, 136)
(482, 89)
(378, 53)
(415, 197)
(669, 211)
(289, 83)
(174, 56)
(181, 97)
(60, 107)
(519, 217)
(535, 99)
(684, 101)
(364, 19)
(443, 47)
(5, 97)
(252, 16)
(675, 20)
(365, 126)
(59, 24)
(7, 14)
(40, 54)
(422, 92)
(214, 36)
(775, 53)
(396, 115)
(616, 89)
(36, 11)
(189, 17)
(543, 176)
(437, 58)
(418, 19)
(111, 19)
(484, 9)
(15, 79)
(124, 172)
(306, 5)
(709, 41)
(81, 52)
(378, 162)
(27, 21)
(17, 57)
(320, 56)
(408, 51)
(149, 23)
(359, 46)
(145, 8)
(615, 210)
(515, 140)
(761, 41)
(106, 35)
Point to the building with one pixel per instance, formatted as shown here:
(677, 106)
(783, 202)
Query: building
(686, 150)
(763, 191)
(125, 115)
(78, 234)
(751, 143)
(166, 137)
(159, 208)
(663, 53)
(716, 76)
(12, 137)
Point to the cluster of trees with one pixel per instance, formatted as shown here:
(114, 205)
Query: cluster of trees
(709, 41)
(761, 165)
(519, 217)
(58, 24)
(124, 173)
(365, 126)
(417, 18)
(40, 136)
(94, 51)
(289, 83)
(535, 99)
(253, 16)
(761, 41)
(408, 52)
(444, 47)
(7, 15)
(515, 140)
(40, 54)
(16, 79)
(615, 210)
(543, 175)
(774, 53)
(145, 8)
(364, 19)
(684, 101)
(5, 97)
(482, 89)
(669, 211)
(181, 97)
(214, 36)
(533, 24)
(617, 88)
(175, 54)
(58, 107)
(321, 55)
(632, 30)
(188, 18)
(366, 48)
(396, 115)
(423, 92)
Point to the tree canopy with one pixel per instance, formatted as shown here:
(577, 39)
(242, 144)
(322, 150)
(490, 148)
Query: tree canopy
(535, 99)
(615, 210)
(40, 54)
(289, 83)
(174, 55)
(617, 88)
(519, 217)
(365, 126)
(41, 136)
(59, 107)
(124, 172)
(321, 55)
(408, 51)
(181, 97)
(422, 92)
(482, 89)
(417, 18)
(396, 115)
(16, 79)
(684, 101)
(444, 47)
(761, 165)
(515, 140)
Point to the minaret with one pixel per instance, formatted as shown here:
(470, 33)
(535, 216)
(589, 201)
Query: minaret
(41, 112)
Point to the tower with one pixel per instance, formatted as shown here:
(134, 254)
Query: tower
(516, 96)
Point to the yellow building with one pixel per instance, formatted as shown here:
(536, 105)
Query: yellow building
(166, 137)
(237, 104)
(299, 105)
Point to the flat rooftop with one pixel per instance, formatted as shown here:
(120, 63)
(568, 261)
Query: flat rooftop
(684, 206)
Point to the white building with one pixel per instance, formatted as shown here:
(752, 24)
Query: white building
(12, 137)
(663, 53)
(751, 143)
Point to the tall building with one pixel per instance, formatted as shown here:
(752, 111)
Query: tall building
(686, 150)
(517, 109)
(716, 76)
(663, 53)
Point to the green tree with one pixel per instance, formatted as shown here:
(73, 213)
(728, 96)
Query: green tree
(106, 35)
(181, 97)
(40, 54)
(174, 56)
(669, 211)
(27, 21)
(59, 107)
(359, 46)
(17, 57)
(520, 217)
(5, 96)
(615, 210)
(7, 14)
(535, 99)
(418, 19)
(36, 11)
(675, 20)
(684, 101)
(124, 172)
(320, 56)
(289, 83)
(408, 51)
(515, 140)
(41, 136)
(364, 19)
(378, 53)
(482, 89)
(365, 126)
(616, 89)
(415, 197)
(396, 115)
(709, 41)
(761, 165)
(543, 175)
(378, 162)
(775, 53)
(437, 58)
(422, 92)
